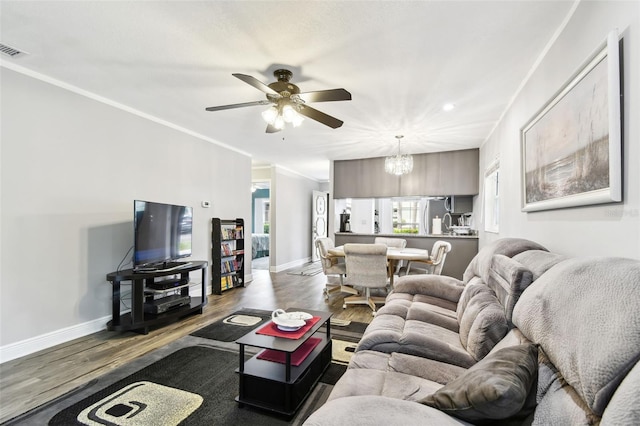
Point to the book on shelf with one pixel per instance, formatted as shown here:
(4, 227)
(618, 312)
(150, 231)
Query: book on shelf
(226, 250)
(228, 266)
(229, 281)
(235, 233)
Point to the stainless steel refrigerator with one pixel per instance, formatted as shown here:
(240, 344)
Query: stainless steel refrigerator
(432, 207)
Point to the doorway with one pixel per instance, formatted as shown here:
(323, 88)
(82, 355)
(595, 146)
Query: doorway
(260, 231)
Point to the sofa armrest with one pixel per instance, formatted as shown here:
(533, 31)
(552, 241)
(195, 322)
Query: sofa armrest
(373, 409)
(438, 286)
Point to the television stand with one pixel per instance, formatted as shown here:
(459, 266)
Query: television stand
(139, 320)
(163, 267)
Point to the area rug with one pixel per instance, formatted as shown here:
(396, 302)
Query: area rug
(350, 333)
(229, 332)
(308, 269)
(342, 351)
(195, 385)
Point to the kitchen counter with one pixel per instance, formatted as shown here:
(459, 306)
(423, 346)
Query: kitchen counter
(463, 247)
(405, 236)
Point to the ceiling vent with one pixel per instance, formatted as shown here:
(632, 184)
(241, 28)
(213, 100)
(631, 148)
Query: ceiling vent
(12, 52)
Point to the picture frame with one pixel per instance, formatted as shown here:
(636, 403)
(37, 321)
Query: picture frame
(572, 147)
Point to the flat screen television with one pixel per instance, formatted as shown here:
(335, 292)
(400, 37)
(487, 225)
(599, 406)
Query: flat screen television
(162, 233)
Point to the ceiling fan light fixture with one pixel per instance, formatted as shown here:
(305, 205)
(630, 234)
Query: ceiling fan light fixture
(269, 115)
(399, 164)
(278, 123)
(288, 113)
(297, 120)
(278, 115)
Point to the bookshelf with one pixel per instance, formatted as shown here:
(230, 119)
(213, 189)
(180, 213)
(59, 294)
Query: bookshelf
(227, 254)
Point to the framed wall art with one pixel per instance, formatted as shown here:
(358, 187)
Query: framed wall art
(571, 149)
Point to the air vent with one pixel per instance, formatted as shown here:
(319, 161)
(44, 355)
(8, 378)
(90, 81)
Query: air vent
(11, 51)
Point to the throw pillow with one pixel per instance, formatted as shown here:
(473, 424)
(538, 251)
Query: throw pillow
(494, 388)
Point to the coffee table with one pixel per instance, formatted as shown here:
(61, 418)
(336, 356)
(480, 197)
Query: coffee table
(283, 387)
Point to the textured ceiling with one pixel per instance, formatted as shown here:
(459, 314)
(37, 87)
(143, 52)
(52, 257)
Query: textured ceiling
(401, 61)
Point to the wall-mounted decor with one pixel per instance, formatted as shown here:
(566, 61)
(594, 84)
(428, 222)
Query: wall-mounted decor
(571, 149)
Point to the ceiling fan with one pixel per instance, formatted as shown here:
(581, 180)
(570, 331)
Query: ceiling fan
(287, 103)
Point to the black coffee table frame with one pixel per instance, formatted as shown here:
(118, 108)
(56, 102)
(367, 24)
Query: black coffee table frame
(277, 387)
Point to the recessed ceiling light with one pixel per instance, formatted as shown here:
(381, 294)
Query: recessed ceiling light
(448, 107)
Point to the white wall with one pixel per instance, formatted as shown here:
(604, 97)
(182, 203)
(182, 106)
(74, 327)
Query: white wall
(291, 202)
(71, 168)
(611, 229)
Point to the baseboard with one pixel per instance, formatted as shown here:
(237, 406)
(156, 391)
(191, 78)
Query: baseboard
(45, 341)
(295, 263)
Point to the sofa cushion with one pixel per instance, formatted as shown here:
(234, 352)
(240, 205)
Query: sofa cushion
(372, 410)
(508, 278)
(495, 388)
(481, 263)
(558, 403)
(435, 371)
(394, 333)
(434, 289)
(427, 312)
(624, 408)
(538, 261)
(362, 381)
(585, 315)
(482, 320)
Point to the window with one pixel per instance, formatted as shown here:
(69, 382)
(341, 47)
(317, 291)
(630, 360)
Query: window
(406, 217)
(492, 197)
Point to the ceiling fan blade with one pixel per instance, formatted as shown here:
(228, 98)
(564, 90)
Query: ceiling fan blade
(326, 95)
(272, 129)
(257, 84)
(245, 104)
(319, 116)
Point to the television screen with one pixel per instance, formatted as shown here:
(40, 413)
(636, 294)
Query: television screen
(162, 232)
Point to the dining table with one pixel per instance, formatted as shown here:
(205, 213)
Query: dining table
(394, 255)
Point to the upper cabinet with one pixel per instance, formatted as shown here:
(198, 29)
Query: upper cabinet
(439, 173)
(364, 178)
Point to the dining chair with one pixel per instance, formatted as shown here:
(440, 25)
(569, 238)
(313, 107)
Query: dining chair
(395, 243)
(434, 265)
(332, 266)
(367, 268)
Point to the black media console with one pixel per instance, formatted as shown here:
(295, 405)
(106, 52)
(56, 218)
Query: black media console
(157, 297)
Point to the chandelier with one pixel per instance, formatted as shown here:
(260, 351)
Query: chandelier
(281, 113)
(398, 164)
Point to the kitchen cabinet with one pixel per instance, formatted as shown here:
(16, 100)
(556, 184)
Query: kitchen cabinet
(459, 172)
(363, 178)
(439, 173)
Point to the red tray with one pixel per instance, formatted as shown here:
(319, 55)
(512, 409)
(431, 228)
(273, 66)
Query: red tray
(271, 329)
(296, 357)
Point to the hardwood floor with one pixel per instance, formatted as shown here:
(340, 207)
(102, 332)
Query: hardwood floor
(33, 380)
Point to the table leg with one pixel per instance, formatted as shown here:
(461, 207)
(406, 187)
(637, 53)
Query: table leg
(115, 303)
(241, 378)
(392, 269)
(288, 367)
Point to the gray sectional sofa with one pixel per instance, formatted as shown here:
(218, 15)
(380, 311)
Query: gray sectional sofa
(527, 337)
